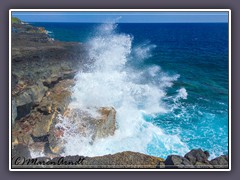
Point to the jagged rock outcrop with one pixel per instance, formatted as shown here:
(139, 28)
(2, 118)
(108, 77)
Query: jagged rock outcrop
(38, 63)
(197, 155)
(106, 124)
(85, 124)
(102, 124)
(175, 161)
(196, 158)
(199, 158)
(220, 162)
(38, 129)
(28, 97)
(37, 126)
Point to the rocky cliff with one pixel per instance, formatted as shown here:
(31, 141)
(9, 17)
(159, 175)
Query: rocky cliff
(38, 62)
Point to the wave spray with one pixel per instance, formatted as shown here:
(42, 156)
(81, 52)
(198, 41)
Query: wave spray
(112, 81)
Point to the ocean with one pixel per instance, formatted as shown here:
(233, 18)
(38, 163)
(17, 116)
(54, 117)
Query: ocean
(167, 81)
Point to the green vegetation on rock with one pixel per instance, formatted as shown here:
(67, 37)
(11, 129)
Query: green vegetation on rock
(16, 20)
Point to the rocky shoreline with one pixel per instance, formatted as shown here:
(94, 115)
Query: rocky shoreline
(43, 73)
(195, 159)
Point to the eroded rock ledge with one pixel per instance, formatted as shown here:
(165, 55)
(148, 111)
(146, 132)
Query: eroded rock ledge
(38, 63)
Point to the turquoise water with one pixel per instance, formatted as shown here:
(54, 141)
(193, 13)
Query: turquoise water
(193, 59)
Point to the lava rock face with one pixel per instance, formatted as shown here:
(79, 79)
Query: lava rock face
(220, 162)
(174, 161)
(38, 63)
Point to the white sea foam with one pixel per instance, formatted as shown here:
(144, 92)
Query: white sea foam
(111, 82)
(182, 93)
(36, 154)
(153, 71)
(143, 51)
(49, 32)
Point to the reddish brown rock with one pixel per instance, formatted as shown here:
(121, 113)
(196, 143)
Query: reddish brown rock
(85, 125)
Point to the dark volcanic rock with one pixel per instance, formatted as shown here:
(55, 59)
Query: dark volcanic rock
(24, 101)
(43, 138)
(38, 63)
(197, 155)
(199, 158)
(220, 162)
(21, 150)
(175, 161)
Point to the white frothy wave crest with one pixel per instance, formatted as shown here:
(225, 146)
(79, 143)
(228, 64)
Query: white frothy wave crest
(182, 93)
(110, 82)
(143, 51)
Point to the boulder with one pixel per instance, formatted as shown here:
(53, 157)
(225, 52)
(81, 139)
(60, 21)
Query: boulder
(220, 162)
(101, 124)
(197, 155)
(106, 124)
(21, 150)
(82, 123)
(199, 158)
(32, 94)
(175, 161)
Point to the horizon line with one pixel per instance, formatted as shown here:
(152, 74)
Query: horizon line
(120, 22)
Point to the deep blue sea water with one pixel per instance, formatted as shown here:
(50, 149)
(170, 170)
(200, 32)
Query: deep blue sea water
(197, 55)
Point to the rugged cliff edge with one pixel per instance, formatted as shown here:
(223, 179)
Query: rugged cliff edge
(38, 62)
(43, 72)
